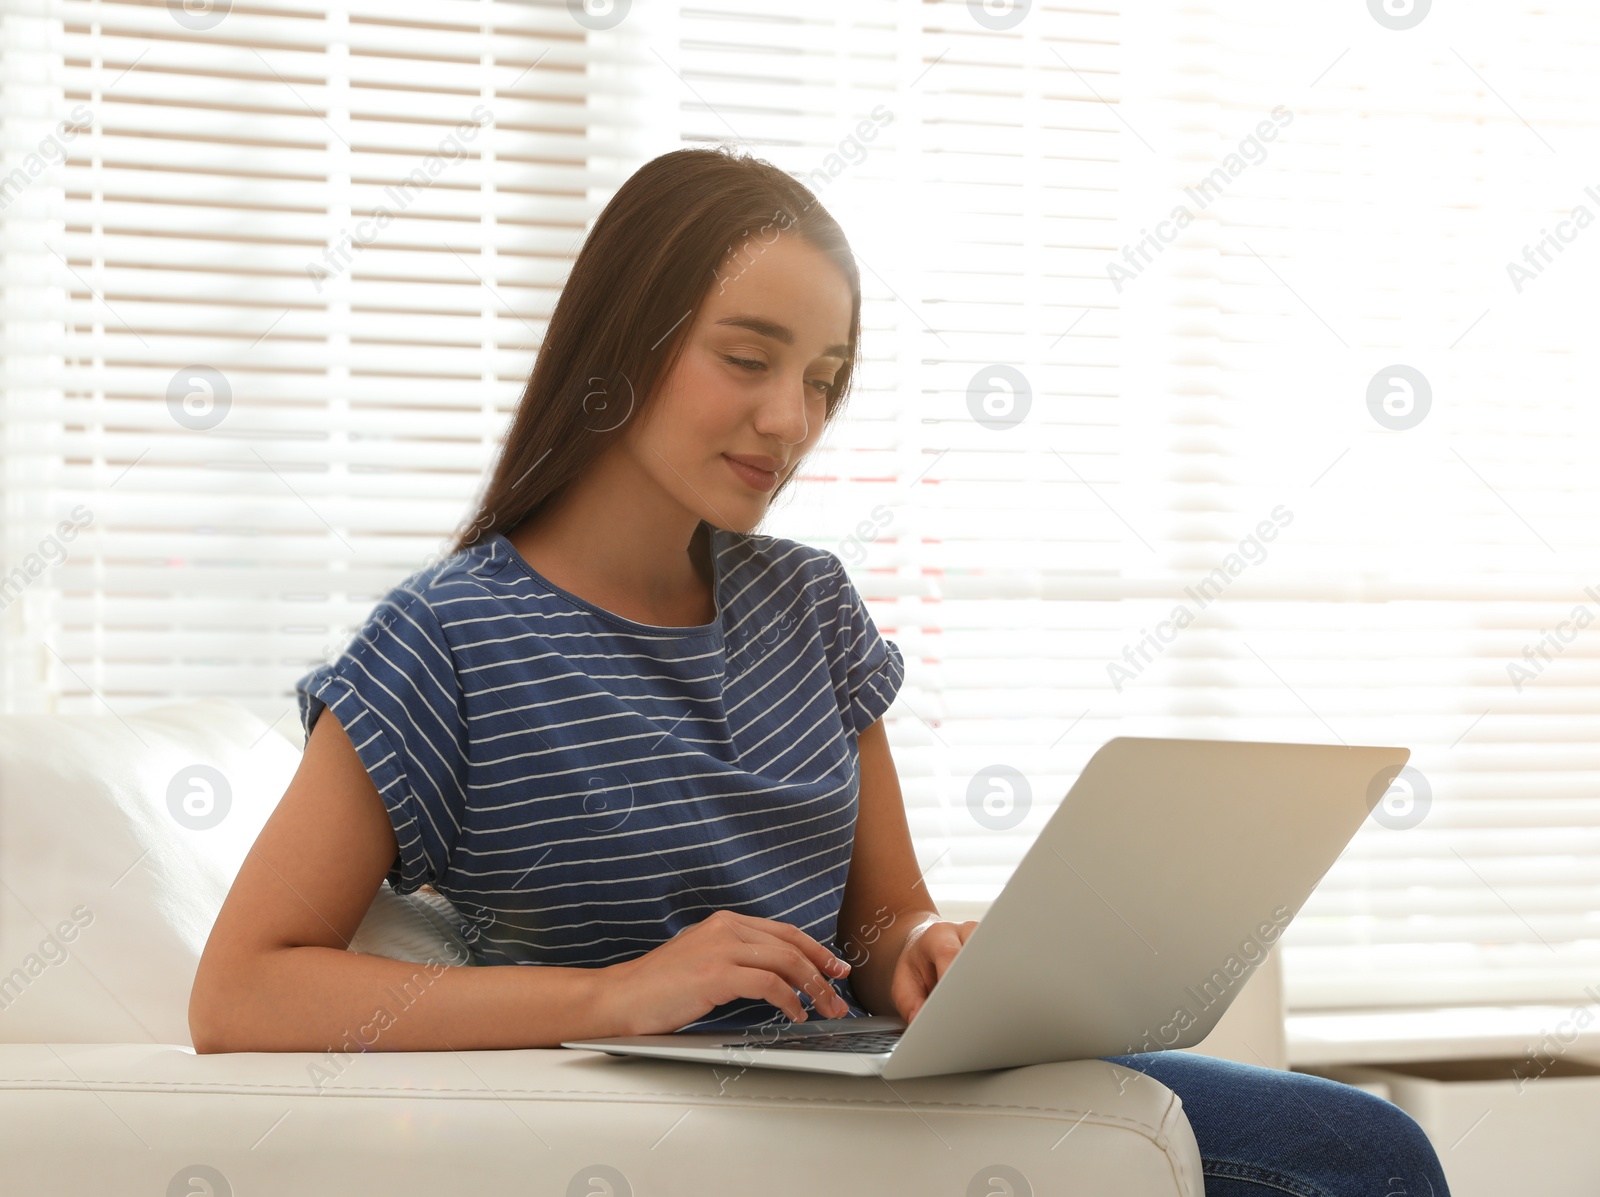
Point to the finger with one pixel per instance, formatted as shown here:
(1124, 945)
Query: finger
(938, 947)
(924, 962)
(763, 985)
(821, 958)
(787, 962)
(810, 974)
(908, 989)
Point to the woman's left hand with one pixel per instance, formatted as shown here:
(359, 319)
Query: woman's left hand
(924, 958)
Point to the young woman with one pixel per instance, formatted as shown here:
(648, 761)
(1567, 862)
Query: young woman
(641, 746)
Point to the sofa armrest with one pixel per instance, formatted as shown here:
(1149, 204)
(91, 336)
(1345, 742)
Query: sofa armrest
(133, 1117)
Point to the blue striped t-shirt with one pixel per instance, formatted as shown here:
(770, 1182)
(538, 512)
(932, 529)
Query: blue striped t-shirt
(582, 787)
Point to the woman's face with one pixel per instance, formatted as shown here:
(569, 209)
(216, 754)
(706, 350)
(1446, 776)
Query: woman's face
(746, 399)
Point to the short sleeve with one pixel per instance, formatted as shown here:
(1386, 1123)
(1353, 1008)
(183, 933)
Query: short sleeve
(874, 668)
(396, 693)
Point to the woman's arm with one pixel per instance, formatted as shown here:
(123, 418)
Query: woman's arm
(884, 897)
(276, 975)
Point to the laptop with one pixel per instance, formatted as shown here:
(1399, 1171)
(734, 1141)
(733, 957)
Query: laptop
(1155, 889)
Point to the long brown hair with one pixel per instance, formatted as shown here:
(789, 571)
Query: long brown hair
(624, 314)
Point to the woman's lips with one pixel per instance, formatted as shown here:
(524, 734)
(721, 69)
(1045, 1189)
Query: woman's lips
(759, 479)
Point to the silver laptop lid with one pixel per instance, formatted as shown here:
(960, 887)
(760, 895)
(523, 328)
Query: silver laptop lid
(1160, 883)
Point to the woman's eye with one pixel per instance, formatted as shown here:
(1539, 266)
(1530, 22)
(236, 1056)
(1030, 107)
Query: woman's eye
(823, 385)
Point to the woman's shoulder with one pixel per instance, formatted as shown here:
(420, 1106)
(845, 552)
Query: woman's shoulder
(776, 561)
(477, 579)
(421, 609)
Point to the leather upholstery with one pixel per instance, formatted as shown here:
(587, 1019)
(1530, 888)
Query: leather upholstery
(150, 1118)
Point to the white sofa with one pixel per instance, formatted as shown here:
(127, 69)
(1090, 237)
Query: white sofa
(118, 840)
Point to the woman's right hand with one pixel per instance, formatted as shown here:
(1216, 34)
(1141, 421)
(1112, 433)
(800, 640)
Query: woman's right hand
(725, 956)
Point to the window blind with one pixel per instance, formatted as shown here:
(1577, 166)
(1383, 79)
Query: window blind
(1372, 321)
(1045, 459)
(304, 259)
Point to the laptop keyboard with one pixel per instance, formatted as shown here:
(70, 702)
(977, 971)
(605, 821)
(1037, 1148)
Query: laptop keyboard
(834, 1041)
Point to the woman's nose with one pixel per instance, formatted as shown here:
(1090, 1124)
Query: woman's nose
(784, 415)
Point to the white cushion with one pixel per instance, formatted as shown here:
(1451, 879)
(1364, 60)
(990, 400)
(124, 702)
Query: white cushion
(422, 927)
(119, 840)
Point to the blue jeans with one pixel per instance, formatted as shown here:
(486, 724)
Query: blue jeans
(1263, 1132)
